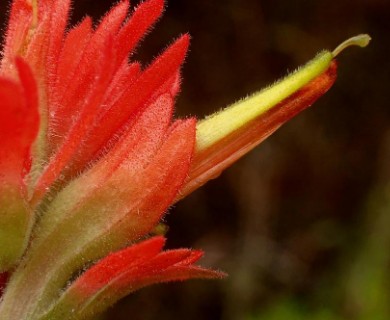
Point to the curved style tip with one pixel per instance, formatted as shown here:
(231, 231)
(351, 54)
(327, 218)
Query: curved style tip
(361, 40)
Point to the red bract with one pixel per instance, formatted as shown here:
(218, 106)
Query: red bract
(88, 145)
(106, 153)
(124, 272)
(18, 128)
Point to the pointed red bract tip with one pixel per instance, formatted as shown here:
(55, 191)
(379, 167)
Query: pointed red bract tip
(143, 18)
(78, 85)
(126, 271)
(113, 19)
(71, 54)
(114, 264)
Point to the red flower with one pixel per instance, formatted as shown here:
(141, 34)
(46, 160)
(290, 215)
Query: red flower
(90, 158)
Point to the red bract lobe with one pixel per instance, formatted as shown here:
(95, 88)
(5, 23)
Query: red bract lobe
(91, 157)
(91, 134)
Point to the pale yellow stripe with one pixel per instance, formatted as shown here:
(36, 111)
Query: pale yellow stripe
(221, 124)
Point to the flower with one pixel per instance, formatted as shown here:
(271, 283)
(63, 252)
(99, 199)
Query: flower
(90, 157)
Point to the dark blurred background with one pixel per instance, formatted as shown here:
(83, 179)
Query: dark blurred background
(302, 223)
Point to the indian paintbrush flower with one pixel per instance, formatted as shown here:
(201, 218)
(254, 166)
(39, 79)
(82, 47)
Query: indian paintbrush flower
(91, 159)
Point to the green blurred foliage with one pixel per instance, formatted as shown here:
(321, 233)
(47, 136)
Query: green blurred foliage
(301, 224)
(363, 286)
(289, 310)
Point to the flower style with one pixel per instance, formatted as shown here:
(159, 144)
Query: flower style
(90, 157)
